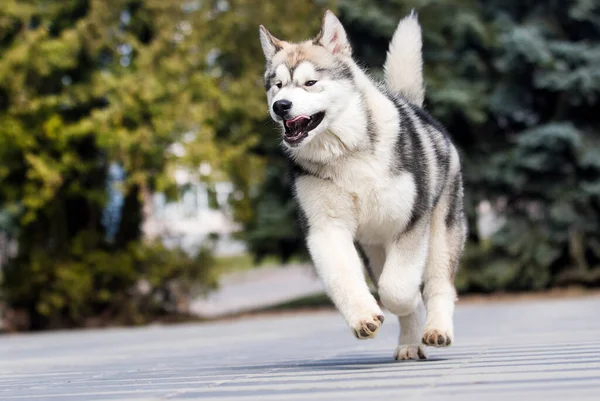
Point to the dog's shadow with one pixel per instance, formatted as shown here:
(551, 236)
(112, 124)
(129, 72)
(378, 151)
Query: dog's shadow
(336, 363)
(360, 363)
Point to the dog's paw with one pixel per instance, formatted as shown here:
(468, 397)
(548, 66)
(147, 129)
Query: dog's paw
(437, 338)
(367, 328)
(407, 352)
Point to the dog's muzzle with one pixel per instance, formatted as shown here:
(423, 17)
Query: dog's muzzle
(297, 128)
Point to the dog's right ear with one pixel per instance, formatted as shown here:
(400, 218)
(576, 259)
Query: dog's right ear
(270, 44)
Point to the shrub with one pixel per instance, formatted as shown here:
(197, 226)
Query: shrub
(93, 286)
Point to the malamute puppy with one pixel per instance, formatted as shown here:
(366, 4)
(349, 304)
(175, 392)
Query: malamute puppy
(371, 168)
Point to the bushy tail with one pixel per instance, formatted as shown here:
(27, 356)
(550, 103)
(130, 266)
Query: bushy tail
(404, 62)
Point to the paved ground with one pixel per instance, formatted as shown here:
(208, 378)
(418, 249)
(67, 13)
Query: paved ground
(536, 350)
(258, 288)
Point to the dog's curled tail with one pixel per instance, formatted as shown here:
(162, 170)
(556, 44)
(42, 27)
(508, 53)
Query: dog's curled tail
(404, 63)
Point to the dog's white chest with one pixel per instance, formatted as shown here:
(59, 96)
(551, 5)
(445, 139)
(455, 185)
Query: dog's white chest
(376, 202)
(384, 209)
(383, 203)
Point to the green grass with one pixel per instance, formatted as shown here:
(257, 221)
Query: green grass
(245, 261)
(242, 262)
(307, 302)
(310, 301)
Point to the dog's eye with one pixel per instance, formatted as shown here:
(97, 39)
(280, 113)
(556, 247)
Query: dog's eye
(278, 84)
(310, 83)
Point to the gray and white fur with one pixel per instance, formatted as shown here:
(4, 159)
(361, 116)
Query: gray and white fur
(371, 167)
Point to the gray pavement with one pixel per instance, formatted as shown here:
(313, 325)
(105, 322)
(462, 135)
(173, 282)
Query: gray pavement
(532, 350)
(258, 288)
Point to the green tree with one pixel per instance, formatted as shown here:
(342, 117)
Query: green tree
(543, 174)
(83, 84)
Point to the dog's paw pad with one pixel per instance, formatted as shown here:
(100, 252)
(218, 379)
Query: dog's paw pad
(436, 338)
(367, 328)
(408, 352)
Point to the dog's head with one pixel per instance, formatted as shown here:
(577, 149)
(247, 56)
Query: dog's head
(308, 84)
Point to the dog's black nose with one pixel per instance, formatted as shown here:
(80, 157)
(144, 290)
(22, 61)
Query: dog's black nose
(281, 107)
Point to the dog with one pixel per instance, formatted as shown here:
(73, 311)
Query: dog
(371, 169)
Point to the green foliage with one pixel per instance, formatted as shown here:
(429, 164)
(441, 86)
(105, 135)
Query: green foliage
(544, 175)
(91, 285)
(83, 84)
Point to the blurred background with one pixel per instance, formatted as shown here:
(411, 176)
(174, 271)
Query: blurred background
(141, 179)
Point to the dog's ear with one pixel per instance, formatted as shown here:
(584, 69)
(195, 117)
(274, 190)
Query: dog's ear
(270, 44)
(333, 36)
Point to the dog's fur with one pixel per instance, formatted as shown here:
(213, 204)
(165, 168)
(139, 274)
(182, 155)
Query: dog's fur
(378, 171)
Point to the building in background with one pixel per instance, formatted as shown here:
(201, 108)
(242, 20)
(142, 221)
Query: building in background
(193, 218)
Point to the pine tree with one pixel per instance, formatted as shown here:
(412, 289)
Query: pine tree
(543, 173)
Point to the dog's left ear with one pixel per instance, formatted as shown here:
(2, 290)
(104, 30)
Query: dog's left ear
(333, 36)
(270, 44)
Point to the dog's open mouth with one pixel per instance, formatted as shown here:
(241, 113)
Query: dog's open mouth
(298, 128)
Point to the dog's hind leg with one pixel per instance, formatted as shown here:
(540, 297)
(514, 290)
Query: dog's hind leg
(399, 287)
(411, 329)
(447, 237)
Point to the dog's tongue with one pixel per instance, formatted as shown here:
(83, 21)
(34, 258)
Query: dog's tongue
(298, 122)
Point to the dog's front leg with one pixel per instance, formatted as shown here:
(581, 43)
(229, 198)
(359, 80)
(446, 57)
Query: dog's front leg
(340, 267)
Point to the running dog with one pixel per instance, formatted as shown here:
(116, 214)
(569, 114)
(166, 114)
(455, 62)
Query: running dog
(372, 170)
